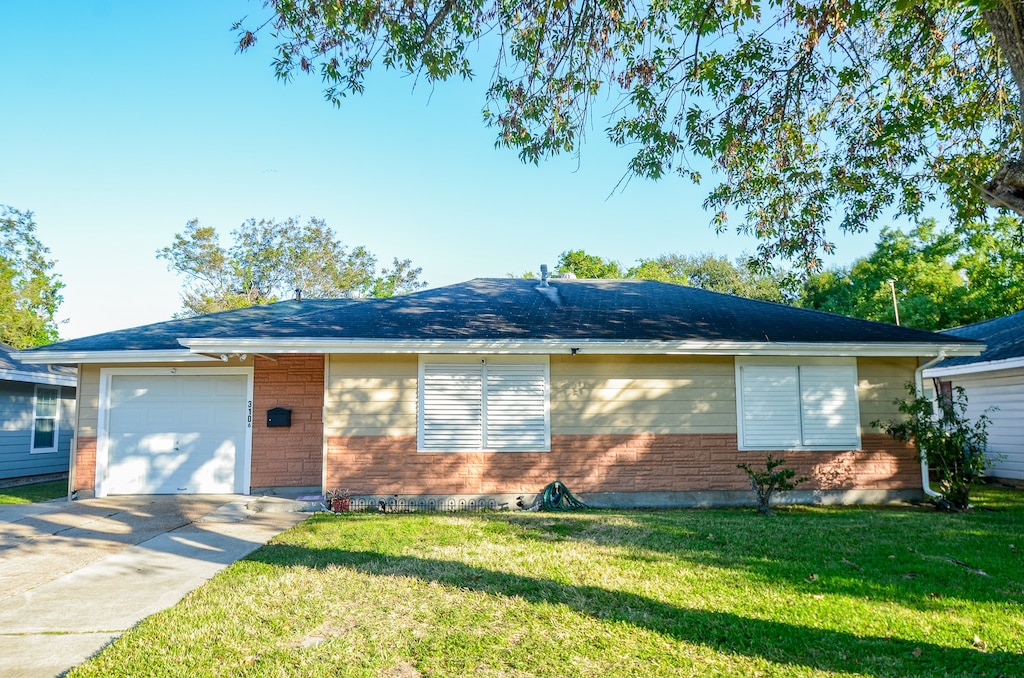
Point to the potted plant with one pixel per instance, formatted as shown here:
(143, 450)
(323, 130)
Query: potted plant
(339, 500)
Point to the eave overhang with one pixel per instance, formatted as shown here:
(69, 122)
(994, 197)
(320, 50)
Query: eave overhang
(974, 368)
(38, 378)
(574, 346)
(202, 349)
(121, 356)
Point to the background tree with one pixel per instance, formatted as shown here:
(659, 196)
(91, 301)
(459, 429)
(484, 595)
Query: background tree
(707, 271)
(268, 260)
(29, 289)
(584, 265)
(714, 273)
(810, 113)
(943, 278)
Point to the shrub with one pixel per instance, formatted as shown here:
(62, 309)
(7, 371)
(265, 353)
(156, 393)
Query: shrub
(766, 483)
(952, 445)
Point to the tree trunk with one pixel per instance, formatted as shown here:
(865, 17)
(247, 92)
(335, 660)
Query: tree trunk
(1006, 22)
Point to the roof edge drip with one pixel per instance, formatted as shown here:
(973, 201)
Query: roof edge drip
(596, 347)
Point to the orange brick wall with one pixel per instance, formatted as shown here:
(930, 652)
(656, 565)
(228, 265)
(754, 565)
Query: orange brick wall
(605, 463)
(85, 463)
(292, 456)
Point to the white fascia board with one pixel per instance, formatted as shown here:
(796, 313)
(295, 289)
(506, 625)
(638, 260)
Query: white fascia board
(548, 346)
(38, 378)
(973, 368)
(84, 357)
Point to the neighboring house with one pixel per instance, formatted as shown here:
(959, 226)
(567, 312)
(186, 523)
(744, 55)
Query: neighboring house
(37, 414)
(994, 379)
(632, 393)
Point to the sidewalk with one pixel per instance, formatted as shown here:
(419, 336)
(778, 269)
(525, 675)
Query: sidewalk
(75, 575)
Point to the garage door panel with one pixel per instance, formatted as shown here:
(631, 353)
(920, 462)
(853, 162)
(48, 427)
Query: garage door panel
(178, 434)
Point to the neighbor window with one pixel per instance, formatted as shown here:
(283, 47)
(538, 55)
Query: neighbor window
(45, 420)
(498, 404)
(788, 404)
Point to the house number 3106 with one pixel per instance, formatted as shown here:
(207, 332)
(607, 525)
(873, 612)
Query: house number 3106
(249, 420)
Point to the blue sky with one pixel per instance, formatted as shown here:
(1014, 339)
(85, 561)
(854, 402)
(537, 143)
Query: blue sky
(122, 120)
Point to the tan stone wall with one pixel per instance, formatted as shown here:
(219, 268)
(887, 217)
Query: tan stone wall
(605, 463)
(292, 456)
(371, 395)
(603, 395)
(881, 382)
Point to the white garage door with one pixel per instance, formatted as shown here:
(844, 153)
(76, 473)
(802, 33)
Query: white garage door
(176, 434)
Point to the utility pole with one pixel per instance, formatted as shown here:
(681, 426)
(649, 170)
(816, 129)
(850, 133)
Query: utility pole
(895, 307)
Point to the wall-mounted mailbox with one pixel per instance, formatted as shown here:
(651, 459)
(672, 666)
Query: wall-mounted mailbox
(279, 416)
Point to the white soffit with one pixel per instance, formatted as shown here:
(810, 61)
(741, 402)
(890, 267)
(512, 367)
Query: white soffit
(974, 368)
(596, 347)
(125, 356)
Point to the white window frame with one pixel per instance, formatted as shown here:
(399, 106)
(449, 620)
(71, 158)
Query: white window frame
(797, 409)
(36, 417)
(487, 428)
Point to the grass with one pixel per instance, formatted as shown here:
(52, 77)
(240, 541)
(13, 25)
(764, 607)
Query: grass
(813, 591)
(29, 494)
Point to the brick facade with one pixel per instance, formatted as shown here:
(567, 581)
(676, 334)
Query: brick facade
(85, 463)
(292, 456)
(606, 463)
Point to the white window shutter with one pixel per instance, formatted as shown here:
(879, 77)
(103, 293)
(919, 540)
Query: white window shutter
(516, 407)
(453, 407)
(771, 406)
(829, 408)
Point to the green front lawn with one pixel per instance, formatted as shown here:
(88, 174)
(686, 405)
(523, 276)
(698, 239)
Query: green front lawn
(879, 591)
(29, 494)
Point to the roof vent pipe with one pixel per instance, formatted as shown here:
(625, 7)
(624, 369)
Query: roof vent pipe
(543, 275)
(298, 294)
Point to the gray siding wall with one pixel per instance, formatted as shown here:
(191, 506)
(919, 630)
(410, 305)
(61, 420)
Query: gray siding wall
(1000, 395)
(16, 409)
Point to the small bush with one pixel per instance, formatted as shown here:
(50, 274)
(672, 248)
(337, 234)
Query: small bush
(952, 445)
(766, 483)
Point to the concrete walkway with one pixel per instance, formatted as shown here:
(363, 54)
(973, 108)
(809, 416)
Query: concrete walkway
(76, 575)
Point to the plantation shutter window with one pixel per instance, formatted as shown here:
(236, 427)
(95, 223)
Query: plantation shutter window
(798, 406)
(829, 410)
(492, 405)
(453, 407)
(45, 419)
(771, 406)
(516, 407)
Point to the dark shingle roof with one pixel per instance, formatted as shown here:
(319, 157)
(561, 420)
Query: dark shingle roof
(1004, 338)
(511, 309)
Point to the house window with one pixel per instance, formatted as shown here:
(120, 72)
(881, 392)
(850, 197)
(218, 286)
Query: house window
(496, 404)
(45, 419)
(944, 389)
(794, 405)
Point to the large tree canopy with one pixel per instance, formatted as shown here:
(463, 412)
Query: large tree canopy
(706, 271)
(29, 289)
(941, 278)
(812, 113)
(269, 260)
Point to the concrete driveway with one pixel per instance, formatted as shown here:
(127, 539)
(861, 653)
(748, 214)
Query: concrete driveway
(76, 575)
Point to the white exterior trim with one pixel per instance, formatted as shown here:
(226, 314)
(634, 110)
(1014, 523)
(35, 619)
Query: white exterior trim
(973, 368)
(38, 378)
(801, 410)
(582, 346)
(103, 420)
(56, 419)
(485, 397)
(121, 356)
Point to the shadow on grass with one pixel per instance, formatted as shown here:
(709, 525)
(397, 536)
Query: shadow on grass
(912, 558)
(776, 642)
